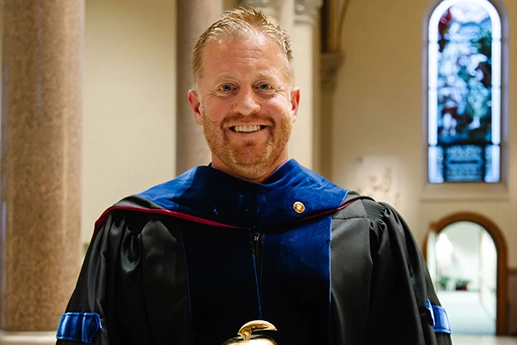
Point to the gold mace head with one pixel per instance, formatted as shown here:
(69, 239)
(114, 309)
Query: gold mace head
(246, 335)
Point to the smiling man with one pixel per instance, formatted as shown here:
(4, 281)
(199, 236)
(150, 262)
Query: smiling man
(253, 235)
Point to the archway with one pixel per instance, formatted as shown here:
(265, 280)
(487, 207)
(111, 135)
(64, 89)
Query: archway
(501, 249)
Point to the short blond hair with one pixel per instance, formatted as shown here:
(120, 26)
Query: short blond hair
(240, 23)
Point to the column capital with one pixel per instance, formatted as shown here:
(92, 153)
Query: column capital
(272, 8)
(307, 10)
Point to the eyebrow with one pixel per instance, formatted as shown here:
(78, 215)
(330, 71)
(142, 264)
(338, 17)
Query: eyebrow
(222, 77)
(266, 75)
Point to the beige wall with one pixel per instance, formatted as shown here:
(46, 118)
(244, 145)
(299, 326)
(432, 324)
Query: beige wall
(129, 101)
(378, 119)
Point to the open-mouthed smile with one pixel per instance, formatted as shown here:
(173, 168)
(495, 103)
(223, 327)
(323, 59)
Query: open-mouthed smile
(246, 129)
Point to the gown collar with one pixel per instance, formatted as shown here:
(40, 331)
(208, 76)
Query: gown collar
(292, 193)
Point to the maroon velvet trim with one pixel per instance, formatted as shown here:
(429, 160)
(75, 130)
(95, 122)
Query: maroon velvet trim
(174, 214)
(191, 218)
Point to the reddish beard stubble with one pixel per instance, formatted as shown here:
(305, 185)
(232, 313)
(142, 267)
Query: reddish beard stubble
(252, 160)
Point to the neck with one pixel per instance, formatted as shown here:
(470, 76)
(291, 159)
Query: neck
(249, 173)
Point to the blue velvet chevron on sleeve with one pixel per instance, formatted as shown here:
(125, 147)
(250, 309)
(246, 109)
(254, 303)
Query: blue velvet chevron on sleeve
(439, 317)
(80, 327)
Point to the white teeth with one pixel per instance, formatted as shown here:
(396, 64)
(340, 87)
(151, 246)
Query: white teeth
(246, 129)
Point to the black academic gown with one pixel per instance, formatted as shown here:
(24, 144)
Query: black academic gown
(191, 260)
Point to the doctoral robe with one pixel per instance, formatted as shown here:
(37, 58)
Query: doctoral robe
(191, 260)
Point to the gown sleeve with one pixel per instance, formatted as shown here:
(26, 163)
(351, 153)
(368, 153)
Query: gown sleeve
(382, 291)
(85, 318)
(403, 300)
(131, 288)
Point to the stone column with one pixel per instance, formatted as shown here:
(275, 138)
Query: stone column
(330, 62)
(333, 14)
(194, 16)
(40, 165)
(303, 143)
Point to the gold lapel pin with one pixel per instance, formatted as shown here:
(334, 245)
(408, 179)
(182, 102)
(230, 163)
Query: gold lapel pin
(298, 207)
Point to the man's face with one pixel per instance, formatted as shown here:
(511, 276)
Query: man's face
(246, 106)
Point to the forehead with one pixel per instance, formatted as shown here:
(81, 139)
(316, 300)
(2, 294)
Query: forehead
(251, 54)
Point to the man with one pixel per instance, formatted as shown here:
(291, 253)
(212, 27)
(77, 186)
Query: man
(253, 235)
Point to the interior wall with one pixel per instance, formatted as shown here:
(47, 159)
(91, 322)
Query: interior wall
(379, 127)
(129, 101)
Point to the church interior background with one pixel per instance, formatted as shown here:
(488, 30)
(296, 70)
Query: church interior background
(94, 108)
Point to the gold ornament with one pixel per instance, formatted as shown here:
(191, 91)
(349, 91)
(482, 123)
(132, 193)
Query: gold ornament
(246, 336)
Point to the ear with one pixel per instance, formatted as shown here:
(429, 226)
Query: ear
(295, 102)
(195, 104)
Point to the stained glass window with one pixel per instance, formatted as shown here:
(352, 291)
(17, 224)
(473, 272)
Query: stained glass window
(464, 92)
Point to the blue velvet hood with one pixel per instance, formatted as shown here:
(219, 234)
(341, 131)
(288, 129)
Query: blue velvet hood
(210, 194)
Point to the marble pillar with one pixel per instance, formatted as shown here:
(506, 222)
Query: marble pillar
(305, 48)
(194, 16)
(40, 165)
(330, 61)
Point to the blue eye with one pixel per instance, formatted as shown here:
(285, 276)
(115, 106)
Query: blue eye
(226, 88)
(264, 86)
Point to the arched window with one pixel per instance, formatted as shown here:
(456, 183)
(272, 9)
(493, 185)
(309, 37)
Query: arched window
(464, 92)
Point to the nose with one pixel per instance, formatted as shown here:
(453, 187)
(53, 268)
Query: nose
(246, 102)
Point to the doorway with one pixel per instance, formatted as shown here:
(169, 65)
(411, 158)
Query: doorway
(466, 256)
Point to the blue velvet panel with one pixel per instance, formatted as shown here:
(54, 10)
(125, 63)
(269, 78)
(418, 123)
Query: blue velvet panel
(80, 327)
